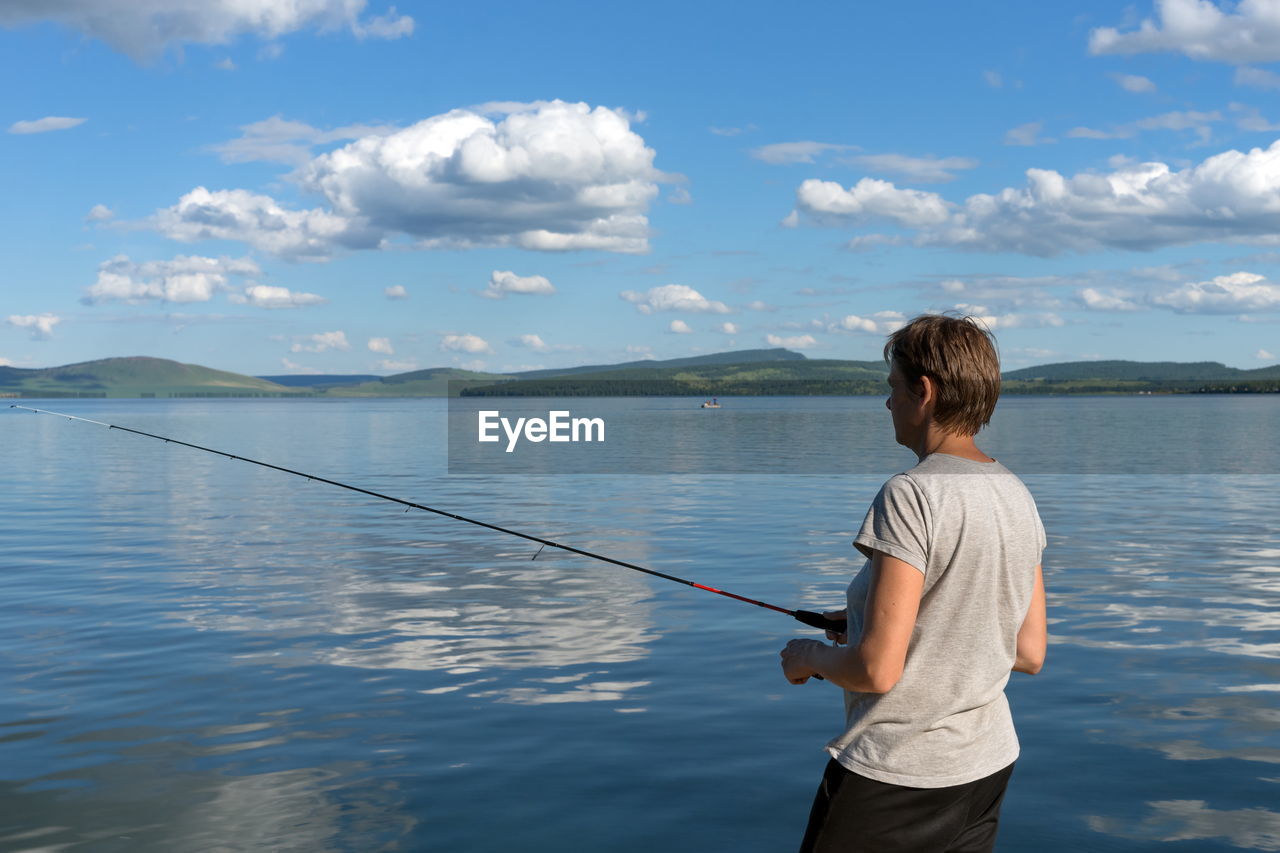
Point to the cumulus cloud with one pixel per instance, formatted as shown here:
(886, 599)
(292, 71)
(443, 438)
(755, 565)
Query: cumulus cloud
(303, 235)
(1263, 355)
(921, 169)
(1010, 320)
(39, 325)
(546, 176)
(1176, 121)
(395, 291)
(465, 343)
(1134, 83)
(1098, 300)
(786, 153)
(680, 327)
(186, 278)
(673, 297)
(99, 213)
(502, 282)
(795, 342)
(728, 328)
(1199, 29)
(537, 344)
(43, 125)
(1225, 294)
(1026, 134)
(279, 140)
(144, 29)
(321, 342)
(1257, 78)
(679, 195)
(268, 296)
(1228, 197)
(880, 323)
(382, 345)
(869, 199)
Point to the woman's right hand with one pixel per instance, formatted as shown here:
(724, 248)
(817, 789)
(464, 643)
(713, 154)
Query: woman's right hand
(837, 615)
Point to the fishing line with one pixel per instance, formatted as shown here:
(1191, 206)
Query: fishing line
(808, 617)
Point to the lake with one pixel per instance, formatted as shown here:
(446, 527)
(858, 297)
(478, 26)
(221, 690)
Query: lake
(202, 655)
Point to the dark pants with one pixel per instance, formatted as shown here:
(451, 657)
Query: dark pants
(854, 814)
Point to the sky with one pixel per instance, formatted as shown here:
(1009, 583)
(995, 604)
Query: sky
(346, 186)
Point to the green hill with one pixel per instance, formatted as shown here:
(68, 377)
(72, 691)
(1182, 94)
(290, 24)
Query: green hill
(137, 376)
(1140, 371)
(433, 382)
(720, 358)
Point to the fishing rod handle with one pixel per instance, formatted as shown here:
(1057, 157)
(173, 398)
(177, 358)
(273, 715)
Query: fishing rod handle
(822, 623)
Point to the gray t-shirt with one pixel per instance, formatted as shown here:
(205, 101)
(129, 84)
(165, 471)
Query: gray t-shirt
(972, 528)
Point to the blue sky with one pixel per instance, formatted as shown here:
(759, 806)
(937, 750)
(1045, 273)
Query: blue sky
(341, 186)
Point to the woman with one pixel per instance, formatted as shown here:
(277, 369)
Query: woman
(951, 599)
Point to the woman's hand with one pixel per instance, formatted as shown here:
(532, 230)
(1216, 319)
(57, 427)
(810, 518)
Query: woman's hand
(795, 660)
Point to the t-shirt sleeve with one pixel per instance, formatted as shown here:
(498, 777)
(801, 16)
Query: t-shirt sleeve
(898, 523)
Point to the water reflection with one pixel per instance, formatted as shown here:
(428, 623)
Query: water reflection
(1195, 820)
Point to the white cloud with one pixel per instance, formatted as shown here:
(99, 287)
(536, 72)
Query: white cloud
(294, 367)
(1249, 118)
(645, 352)
(1199, 29)
(99, 213)
(673, 297)
(870, 199)
(732, 131)
(465, 343)
(1228, 197)
(40, 325)
(880, 323)
(1177, 120)
(1026, 134)
(921, 169)
(1011, 320)
(269, 296)
(728, 328)
(398, 365)
(1134, 83)
(784, 153)
(1257, 78)
(46, 124)
(533, 342)
(680, 327)
(796, 342)
(225, 64)
(1096, 300)
(761, 305)
(262, 223)
(1263, 355)
(382, 345)
(395, 291)
(993, 79)
(186, 278)
(145, 29)
(547, 176)
(321, 342)
(1225, 294)
(279, 140)
(679, 195)
(6, 362)
(502, 282)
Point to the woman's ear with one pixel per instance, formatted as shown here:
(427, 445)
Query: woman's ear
(928, 390)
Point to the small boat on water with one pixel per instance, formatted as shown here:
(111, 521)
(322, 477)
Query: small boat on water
(713, 403)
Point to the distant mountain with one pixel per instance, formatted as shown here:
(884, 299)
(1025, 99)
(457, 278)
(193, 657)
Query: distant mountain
(320, 380)
(746, 356)
(1140, 371)
(137, 376)
(745, 372)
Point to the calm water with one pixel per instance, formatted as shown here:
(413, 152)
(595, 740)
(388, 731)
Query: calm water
(203, 655)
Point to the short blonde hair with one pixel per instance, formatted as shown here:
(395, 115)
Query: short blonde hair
(959, 354)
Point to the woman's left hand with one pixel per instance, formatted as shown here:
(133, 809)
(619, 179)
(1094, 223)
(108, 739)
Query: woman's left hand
(795, 660)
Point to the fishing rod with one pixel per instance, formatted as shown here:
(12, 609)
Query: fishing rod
(808, 617)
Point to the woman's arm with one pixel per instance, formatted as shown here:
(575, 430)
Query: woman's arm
(1033, 636)
(875, 664)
